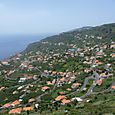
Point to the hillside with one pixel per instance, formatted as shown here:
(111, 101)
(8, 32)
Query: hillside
(72, 73)
(77, 36)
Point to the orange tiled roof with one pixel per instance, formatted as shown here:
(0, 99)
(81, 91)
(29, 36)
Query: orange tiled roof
(64, 101)
(76, 84)
(28, 108)
(60, 97)
(45, 88)
(61, 93)
(98, 62)
(17, 102)
(62, 79)
(7, 105)
(15, 111)
(49, 83)
(113, 87)
(99, 82)
(112, 55)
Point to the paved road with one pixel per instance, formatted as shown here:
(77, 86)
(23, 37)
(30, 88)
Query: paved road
(85, 82)
(95, 76)
(90, 90)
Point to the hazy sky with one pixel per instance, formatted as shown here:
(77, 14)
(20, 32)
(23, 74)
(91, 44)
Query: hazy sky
(53, 16)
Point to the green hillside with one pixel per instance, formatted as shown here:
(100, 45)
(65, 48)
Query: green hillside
(72, 73)
(107, 32)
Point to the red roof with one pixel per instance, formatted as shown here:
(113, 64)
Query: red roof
(62, 79)
(28, 108)
(64, 101)
(17, 102)
(61, 93)
(75, 85)
(113, 87)
(60, 97)
(45, 88)
(7, 105)
(99, 82)
(15, 111)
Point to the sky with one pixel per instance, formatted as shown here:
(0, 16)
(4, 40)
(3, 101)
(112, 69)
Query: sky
(53, 16)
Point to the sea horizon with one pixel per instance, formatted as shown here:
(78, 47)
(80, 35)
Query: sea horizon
(12, 44)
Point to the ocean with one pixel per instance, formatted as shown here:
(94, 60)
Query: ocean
(10, 45)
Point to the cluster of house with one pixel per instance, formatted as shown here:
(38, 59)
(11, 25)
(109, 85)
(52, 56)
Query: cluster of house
(15, 107)
(26, 64)
(62, 77)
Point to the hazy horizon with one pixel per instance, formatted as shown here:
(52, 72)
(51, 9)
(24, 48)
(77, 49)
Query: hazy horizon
(13, 44)
(49, 16)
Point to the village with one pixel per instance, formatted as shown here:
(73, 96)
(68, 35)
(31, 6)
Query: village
(39, 82)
